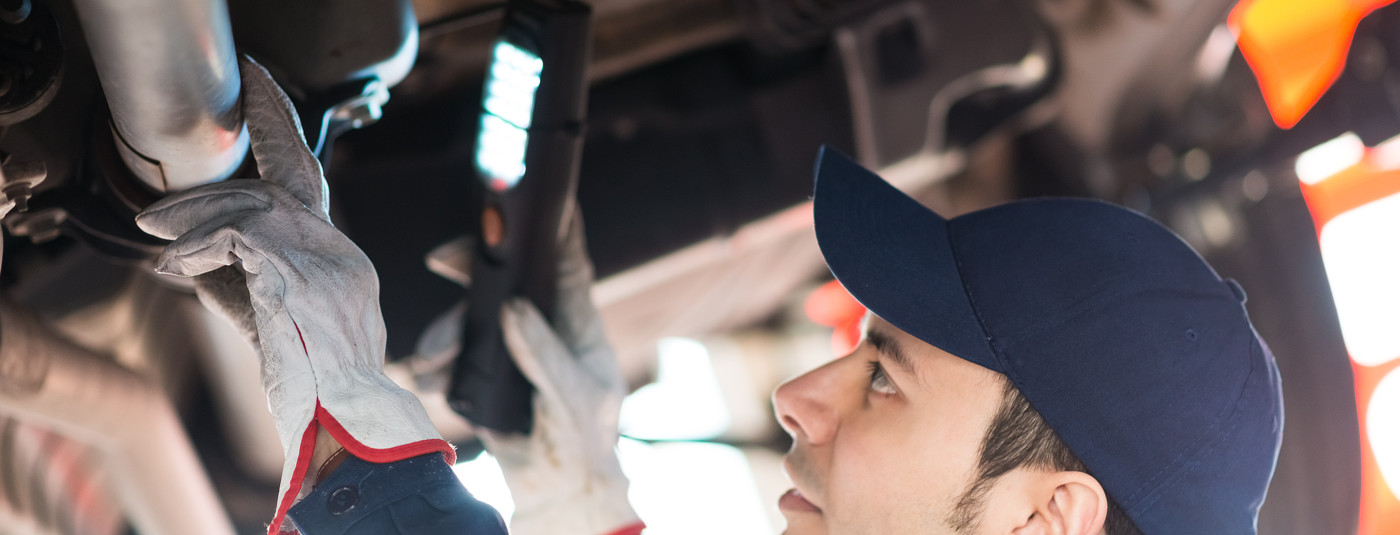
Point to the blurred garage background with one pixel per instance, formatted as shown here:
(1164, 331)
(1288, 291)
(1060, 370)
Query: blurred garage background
(1264, 132)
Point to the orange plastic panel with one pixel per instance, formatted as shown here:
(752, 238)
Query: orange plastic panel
(1349, 189)
(1297, 48)
(831, 305)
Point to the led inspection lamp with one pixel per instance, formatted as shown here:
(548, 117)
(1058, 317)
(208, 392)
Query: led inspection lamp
(527, 154)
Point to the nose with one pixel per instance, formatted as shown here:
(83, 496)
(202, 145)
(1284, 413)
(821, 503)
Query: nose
(805, 405)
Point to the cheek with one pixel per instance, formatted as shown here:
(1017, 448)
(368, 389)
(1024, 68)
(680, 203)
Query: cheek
(896, 471)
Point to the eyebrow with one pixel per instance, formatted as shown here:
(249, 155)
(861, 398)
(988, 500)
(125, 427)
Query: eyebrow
(891, 348)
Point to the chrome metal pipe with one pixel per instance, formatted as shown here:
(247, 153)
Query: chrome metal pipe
(170, 73)
(155, 475)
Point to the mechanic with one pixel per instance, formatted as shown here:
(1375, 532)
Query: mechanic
(1045, 366)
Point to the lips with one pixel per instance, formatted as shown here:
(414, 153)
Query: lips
(793, 501)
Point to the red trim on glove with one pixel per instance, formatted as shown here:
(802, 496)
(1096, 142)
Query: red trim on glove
(385, 455)
(308, 446)
(634, 528)
(355, 447)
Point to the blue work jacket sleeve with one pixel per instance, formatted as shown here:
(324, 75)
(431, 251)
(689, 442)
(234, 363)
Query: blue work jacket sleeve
(416, 496)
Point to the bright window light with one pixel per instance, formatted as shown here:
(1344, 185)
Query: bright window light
(1318, 163)
(1383, 429)
(1363, 265)
(483, 478)
(699, 488)
(685, 402)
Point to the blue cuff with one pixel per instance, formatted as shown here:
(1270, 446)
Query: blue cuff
(417, 496)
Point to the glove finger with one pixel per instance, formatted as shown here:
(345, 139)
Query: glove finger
(277, 140)
(510, 449)
(577, 319)
(213, 244)
(173, 216)
(578, 322)
(539, 353)
(440, 342)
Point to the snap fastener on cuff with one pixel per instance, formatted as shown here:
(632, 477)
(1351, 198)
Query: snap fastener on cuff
(342, 500)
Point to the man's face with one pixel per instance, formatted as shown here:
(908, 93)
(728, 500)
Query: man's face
(885, 440)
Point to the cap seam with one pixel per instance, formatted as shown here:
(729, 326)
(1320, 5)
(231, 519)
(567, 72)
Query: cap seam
(1099, 299)
(1148, 504)
(972, 303)
(1174, 467)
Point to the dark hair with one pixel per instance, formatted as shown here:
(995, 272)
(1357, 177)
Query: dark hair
(1019, 437)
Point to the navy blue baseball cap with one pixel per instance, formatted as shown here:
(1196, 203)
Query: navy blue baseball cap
(1129, 345)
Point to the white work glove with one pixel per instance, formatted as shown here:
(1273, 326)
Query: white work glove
(313, 296)
(564, 477)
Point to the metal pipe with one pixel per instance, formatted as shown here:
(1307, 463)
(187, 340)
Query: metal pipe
(170, 73)
(232, 366)
(155, 474)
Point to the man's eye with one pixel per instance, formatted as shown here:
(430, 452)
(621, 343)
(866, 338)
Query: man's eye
(879, 382)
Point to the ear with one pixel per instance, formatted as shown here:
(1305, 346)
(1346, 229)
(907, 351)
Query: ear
(1066, 503)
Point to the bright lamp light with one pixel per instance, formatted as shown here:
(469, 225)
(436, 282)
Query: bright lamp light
(1363, 265)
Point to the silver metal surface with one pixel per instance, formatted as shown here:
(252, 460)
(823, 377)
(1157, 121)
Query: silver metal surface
(154, 473)
(170, 75)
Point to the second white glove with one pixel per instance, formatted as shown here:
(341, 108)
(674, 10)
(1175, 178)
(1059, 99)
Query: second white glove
(565, 476)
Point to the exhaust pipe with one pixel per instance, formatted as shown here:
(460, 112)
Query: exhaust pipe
(153, 469)
(170, 73)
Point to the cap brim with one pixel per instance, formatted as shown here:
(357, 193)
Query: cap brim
(894, 256)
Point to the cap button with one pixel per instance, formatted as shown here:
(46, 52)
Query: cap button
(1236, 289)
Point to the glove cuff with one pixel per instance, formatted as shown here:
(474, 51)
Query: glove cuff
(307, 446)
(383, 455)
